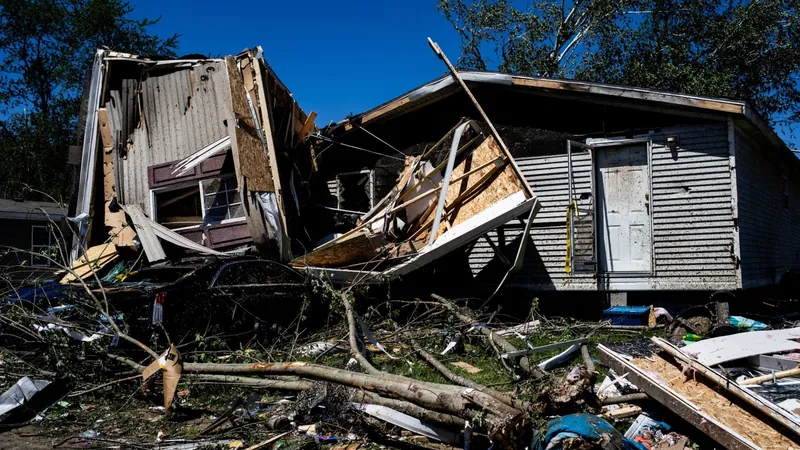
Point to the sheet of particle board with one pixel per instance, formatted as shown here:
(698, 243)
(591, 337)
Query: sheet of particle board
(715, 404)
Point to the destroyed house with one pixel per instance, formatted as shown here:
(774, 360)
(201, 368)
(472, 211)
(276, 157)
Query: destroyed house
(638, 189)
(189, 150)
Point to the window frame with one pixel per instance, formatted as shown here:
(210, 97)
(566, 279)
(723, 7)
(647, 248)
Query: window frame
(34, 246)
(172, 187)
(371, 181)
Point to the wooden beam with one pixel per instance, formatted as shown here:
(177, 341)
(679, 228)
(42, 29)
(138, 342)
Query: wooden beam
(496, 135)
(272, 155)
(307, 126)
(122, 234)
(672, 401)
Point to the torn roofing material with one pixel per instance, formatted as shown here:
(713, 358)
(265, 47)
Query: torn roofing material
(430, 212)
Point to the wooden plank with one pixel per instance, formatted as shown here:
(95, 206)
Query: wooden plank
(674, 402)
(272, 156)
(122, 234)
(357, 248)
(94, 259)
(307, 126)
(384, 109)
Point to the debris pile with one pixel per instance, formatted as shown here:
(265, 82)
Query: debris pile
(266, 340)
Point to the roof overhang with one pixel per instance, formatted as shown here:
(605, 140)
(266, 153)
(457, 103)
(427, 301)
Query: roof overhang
(636, 98)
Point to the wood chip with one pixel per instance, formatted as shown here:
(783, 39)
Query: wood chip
(469, 368)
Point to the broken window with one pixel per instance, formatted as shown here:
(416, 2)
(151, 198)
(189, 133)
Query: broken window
(355, 191)
(207, 202)
(221, 199)
(42, 248)
(179, 208)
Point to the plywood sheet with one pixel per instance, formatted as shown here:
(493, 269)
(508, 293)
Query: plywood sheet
(499, 186)
(94, 259)
(716, 405)
(357, 248)
(253, 164)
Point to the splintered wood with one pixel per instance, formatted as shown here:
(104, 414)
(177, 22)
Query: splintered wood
(481, 189)
(715, 404)
(249, 156)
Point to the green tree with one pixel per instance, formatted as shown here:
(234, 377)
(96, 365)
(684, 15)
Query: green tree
(46, 50)
(743, 49)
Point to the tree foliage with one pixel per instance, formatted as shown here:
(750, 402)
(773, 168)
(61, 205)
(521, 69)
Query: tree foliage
(743, 49)
(46, 49)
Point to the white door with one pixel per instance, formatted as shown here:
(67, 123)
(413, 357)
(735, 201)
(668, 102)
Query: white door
(623, 206)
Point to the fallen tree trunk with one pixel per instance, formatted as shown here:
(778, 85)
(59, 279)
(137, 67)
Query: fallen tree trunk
(504, 423)
(523, 362)
(359, 396)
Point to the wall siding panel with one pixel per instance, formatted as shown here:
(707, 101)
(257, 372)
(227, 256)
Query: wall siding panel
(769, 240)
(691, 212)
(179, 115)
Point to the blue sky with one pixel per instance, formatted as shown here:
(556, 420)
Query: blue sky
(336, 57)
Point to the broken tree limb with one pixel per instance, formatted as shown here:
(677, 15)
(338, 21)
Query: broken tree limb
(351, 326)
(543, 348)
(773, 376)
(624, 399)
(587, 359)
(449, 399)
(458, 379)
(281, 385)
(524, 364)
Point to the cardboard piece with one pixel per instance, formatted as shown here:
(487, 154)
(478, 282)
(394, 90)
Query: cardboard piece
(171, 367)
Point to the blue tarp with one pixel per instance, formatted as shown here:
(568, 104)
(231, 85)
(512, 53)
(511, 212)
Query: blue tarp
(586, 426)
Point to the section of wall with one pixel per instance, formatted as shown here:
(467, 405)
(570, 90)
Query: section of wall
(691, 210)
(168, 116)
(769, 214)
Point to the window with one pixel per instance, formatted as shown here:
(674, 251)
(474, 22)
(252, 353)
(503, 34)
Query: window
(206, 202)
(354, 191)
(178, 208)
(41, 246)
(221, 199)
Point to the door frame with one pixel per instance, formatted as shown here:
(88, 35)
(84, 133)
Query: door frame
(605, 143)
